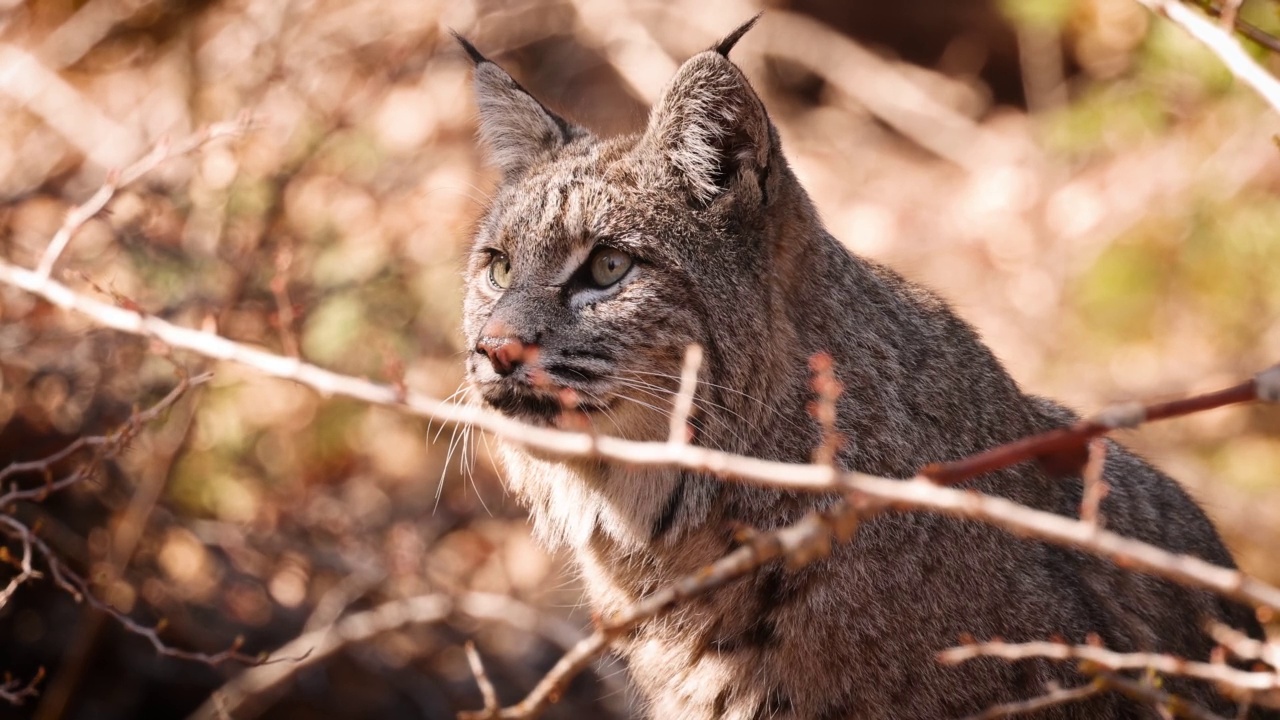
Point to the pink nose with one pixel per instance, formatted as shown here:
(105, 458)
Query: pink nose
(502, 347)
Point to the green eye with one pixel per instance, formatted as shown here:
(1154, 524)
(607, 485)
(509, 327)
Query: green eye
(608, 265)
(500, 271)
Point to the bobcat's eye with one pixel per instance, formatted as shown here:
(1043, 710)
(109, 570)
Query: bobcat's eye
(500, 271)
(608, 265)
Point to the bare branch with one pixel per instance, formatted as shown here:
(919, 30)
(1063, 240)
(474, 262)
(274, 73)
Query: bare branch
(1060, 450)
(162, 151)
(68, 580)
(919, 493)
(30, 83)
(104, 446)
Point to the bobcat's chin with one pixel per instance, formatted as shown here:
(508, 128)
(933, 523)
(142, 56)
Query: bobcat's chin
(538, 405)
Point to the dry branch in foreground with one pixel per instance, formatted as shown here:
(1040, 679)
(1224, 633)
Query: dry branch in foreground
(868, 492)
(918, 493)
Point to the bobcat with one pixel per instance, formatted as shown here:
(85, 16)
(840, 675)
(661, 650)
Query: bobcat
(600, 260)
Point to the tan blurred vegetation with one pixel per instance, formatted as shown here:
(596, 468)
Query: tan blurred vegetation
(1115, 242)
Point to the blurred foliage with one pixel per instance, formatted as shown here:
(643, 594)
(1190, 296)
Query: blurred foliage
(1120, 244)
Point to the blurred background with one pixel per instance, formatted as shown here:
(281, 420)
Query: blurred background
(1085, 183)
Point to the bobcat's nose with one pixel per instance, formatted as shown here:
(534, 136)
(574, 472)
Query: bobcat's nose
(505, 351)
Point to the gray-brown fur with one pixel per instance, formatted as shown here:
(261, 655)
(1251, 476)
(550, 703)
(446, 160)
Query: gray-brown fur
(730, 253)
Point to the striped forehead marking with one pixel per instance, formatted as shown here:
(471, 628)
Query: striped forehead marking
(573, 208)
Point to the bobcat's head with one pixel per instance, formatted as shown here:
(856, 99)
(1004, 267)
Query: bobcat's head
(601, 259)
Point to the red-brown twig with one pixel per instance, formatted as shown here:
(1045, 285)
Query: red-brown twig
(16, 692)
(1095, 486)
(117, 179)
(1228, 13)
(1060, 450)
(827, 390)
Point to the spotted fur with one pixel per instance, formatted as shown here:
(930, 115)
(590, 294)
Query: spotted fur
(729, 253)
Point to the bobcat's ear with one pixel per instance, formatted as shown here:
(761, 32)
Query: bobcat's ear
(515, 129)
(709, 125)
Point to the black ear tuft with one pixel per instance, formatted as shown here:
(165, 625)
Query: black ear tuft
(515, 128)
(710, 126)
(724, 46)
(471, 50)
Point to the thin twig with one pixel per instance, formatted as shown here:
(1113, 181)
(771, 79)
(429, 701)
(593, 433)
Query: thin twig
(117, 179)
(1095, 486)
(78, 587)
(1150, 694)
(683, 405)
(16, 692)
(1057, 696)
(487, 691)
(104, 445)
(25, 571)
(1220, 673)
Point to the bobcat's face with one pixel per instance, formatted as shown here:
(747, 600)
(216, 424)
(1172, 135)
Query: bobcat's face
(578, 296)
(600, 261)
